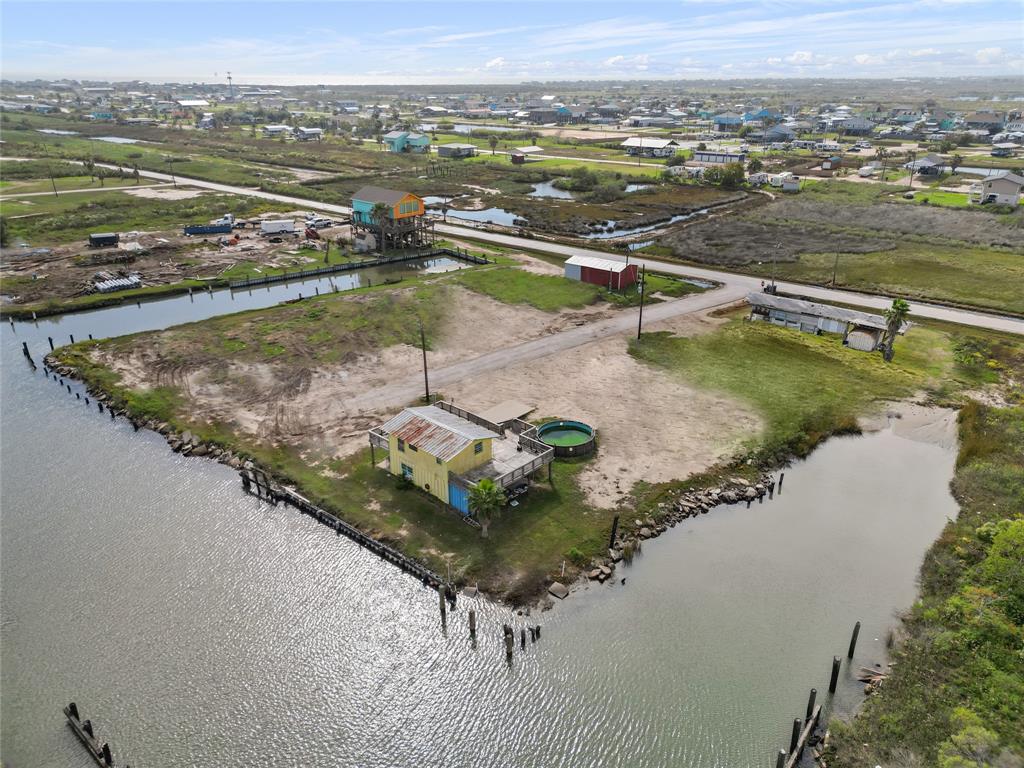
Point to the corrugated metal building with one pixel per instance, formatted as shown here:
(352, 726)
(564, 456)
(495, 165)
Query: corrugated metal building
(614, 275)
(860, 330)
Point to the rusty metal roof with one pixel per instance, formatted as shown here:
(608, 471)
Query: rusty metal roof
(434, 431)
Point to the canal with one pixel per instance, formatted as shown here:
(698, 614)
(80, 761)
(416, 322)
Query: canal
(198, 627)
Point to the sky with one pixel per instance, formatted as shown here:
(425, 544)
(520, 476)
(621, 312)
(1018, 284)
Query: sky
(376, 41)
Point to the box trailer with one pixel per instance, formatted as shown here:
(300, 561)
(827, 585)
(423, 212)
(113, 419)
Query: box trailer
(208, 229)
(277, 227)
(221, 226)
(104, 239)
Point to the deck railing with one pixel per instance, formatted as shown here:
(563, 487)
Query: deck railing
(378, 438)
(469, 416)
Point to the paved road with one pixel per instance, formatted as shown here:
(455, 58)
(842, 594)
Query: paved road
(625, 321)
(742, 283)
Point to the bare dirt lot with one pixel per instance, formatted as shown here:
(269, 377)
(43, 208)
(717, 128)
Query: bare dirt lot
(311, 407)
(651, 425)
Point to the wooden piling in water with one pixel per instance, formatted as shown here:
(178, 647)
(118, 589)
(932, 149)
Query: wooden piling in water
(853, 640)
(472, 623)
(615, 530)
(50, 339)
(810, 703)
(794, 737)
(834, 681)
(522, 639)
(72, 337)
(444, 606)
(780, 761)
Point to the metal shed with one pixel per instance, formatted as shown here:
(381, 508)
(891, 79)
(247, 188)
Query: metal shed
(614, 275)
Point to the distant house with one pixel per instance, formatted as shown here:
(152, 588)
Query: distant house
(407, 141)
(990, 122)
(520, 155)
(456, 150)
(614, 275)
(929, 165)
(856, 126)
(1004, 149)
(717, 157)
(401, 205)
(649, 146)
(860, 330)
(309, 134)
(192, 103)
(273, 131)
(446, 451)
(548, 114)
(1002, 188)
(779, 133)
(727, 121)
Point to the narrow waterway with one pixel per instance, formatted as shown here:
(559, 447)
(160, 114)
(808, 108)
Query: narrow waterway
(197, 627)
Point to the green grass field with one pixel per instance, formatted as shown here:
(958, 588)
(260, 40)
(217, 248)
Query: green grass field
(47, 220)
(805, 387)
(956, 274)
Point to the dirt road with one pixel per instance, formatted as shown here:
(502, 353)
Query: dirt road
(407, 389)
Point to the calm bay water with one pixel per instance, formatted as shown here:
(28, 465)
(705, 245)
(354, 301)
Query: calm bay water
(197, 627)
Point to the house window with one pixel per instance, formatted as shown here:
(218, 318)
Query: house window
(413, 447)
(438, 459)
(407, 472)
(401, 445)
(478, 448)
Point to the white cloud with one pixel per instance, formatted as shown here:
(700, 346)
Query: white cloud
(773, 60)
(920, 52)
(867, 59)
(496, 63)
(988, 55)
(800, 57)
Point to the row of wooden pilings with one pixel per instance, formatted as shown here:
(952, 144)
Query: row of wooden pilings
(259, 484)
(446, 594)
(804, 729)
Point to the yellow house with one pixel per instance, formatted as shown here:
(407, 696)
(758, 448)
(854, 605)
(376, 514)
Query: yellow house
(427, 443)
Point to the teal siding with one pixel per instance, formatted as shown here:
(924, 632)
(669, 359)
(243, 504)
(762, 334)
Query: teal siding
(458, 497)
(361, 211)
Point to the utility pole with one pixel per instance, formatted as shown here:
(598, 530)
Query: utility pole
(643, 289)
(775, 255)
(835, 266)
(426, 381)
(913, 168)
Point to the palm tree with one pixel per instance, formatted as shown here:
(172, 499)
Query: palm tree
(895, 316)
(379, 214)
(493, 141)
(955, 162)
(486, 499)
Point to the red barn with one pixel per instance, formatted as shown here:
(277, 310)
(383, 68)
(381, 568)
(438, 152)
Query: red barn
(614, 275)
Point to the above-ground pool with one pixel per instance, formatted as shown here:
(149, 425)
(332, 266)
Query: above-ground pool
(568, 438)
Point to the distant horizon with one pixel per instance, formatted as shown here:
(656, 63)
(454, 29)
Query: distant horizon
(1010, 79)
(455, 43)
